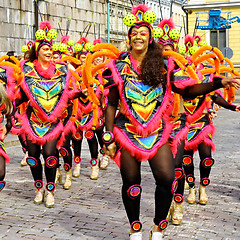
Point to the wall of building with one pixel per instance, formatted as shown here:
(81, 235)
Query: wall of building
(232, 34)
(17, 20)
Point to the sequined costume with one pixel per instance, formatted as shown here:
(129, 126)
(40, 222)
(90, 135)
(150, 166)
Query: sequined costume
(49, 97)
(142, 125)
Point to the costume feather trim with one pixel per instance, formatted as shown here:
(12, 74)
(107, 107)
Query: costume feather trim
(203, 136)
(138, 153)
(57, 132)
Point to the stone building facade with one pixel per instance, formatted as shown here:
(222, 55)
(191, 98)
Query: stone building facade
(18, 20)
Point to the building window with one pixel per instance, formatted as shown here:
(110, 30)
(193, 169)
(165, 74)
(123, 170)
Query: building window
(218, 38)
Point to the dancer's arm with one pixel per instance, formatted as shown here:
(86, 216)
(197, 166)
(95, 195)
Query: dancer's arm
(192, 92)
(219, 100)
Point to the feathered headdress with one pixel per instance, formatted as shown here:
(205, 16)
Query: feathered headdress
(190, 44)
(140, 16)
(166, 33)
(82, 46)
(44, 35)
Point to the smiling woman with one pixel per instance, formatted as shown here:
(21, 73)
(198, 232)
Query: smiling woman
(48, 88)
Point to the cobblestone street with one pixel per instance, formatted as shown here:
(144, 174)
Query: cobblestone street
(93, 209)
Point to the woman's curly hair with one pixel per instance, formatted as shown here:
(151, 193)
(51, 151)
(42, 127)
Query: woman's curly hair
(32, 55)
(152, 66)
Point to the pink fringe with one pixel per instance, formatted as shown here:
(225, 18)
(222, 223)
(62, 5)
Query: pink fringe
(142, 7)
(190, 39)
(202, 137)
(41, 140)
(44, 24)
(166, 21)
(49, 73)
(4, 155)
(65, 39)
(181, 136)
(138, 153)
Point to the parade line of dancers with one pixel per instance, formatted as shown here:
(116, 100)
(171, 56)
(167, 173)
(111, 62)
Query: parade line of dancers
(152, 100)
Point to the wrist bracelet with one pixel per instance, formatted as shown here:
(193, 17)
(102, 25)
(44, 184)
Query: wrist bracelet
(108, 137)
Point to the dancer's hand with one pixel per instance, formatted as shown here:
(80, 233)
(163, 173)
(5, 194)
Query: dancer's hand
(213, 115)
(238, 108)
(3, 132)
(110, 150)
(231, 82)
(85, 92)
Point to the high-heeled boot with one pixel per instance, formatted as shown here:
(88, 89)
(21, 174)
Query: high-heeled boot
(95, 169)
(50, 199)
(76, 171)
(203, 198)
(24, 160)
(58, 178)
(40, 192)
(68, 180)
(135, 236)
(50, 187)
(177, 215)
(192, 195)
(170, 211)
(104, 161)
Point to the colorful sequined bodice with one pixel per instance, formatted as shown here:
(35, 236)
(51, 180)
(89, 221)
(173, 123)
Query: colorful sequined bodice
(46, 92)
(142, 100)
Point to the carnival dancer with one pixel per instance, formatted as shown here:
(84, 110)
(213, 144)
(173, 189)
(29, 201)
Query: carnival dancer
(168, 37)
(47, 88)
(201, 129)
(85, 115)
(5, 108)
(65, 49)
(10, 77)
(142, 128)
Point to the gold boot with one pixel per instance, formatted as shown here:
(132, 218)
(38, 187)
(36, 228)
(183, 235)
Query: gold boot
(58, 178)
(94, 173)
(95, 169)
(186, 185)
(24, 160)
(39, 196)
(177, 215)
(192, 195)
(50, 199)
(203, 198)
(76, 171)
(104, 161)
(170, 211)
(68, 180)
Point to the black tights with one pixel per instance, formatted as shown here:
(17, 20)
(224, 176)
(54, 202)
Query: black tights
(204, 152)
(23, 141)
(2, 168)
(162, 166)
(92, 143)
(179, 164)
(68, 158)
(48, 149)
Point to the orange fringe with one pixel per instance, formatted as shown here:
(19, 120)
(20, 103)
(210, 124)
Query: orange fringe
(229, 62)
(4, 58)
(176, 105)
(71, 59)
(104, 46)
(17, 62)
(183, 63)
